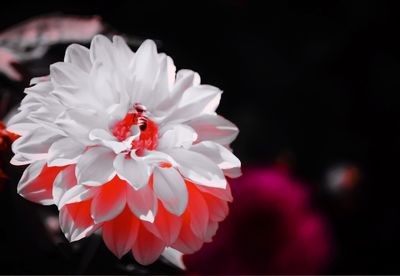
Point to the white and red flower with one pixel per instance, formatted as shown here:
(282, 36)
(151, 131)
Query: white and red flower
(120, 142)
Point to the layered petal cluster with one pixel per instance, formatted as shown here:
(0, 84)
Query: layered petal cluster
(121, 142)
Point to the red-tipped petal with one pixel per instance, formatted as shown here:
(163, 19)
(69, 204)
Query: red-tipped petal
(120, 233)
(76, 222)
(147, 248)
(166, 226)
(110, 201)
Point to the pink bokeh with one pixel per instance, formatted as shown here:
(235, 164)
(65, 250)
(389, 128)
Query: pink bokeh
(271, 229)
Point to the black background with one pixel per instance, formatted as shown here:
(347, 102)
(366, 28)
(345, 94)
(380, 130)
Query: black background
(314, 80)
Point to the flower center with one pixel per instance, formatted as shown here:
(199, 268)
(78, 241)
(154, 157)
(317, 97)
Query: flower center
(148, 138)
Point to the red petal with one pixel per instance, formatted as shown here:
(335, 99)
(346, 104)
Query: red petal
(166, 226)
(147, 247)
(110, 201)
(75, 220)
(40, 189)
(218, 208)
(120, 233)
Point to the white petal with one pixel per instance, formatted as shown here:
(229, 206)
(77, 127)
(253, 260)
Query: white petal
(75, 221)
(67, 75)
(198, 168)
(171, 189)
(20, 160)
(184, 80)
(142, 202)
(79, 56)
(35, 144)
(63, 152)
(78, 123)
(123, 54)
(164, 82)
(174, 257)
(75, 194)
(108, 140)
(64, 181)
(145, 67)
(95, 167)
(214, 128)
(30, 174)
(176, 136)
(102, 82)
(101, 50)
(39, 79)
(36, 183)
(154, 158)
(233, 173)
(197, 100)
(220, 155)
(135, 171)
(22, 128)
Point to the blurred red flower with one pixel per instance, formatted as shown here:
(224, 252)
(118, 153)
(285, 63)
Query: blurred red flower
(6, 139)
(271, 230)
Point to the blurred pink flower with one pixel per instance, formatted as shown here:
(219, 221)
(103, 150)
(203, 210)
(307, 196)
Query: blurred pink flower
(271, 230)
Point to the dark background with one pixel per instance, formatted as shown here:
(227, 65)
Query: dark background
(315, 83)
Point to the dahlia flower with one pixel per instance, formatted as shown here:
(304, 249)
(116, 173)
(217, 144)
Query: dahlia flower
(123, 144)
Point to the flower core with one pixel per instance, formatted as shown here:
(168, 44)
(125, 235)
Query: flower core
(148, 138)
